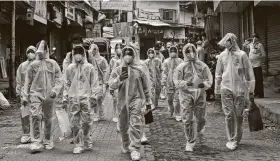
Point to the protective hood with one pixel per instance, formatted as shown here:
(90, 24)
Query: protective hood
(233, 38)
(41, 48)
(128, 48)
(31, 48)
(172, 47)
(84, 60)
(92, 47)
(153, 51)
(135, 48)
(185, 48)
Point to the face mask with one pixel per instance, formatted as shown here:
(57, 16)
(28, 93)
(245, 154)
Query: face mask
(128, 59)
(173, 55)
(151, 55)
(119, 51)
(190, 56)
(78, 57)
(31, 56)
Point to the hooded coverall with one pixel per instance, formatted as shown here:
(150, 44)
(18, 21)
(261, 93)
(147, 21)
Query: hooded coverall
(155, 69)
(43, 77)
(100, 63)
(80, 89)
(20, 78)
(168, 68)
(234, 80)
(114, 62)
(133, 93)
(192, 99)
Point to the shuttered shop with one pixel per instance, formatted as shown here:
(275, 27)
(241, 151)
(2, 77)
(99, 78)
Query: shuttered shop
(273, 40)
(231, 24)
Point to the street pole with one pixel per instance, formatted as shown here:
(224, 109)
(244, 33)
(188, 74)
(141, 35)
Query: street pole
(12, 53)
(101, 26)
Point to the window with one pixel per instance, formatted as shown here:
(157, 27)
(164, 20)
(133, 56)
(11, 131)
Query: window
(168, 15)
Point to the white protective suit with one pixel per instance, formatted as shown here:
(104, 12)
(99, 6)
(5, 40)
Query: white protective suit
(20, 78)
(114, 62)
(43, 78)
(168, 68)
(80, 92)
(192, 98)
(234, 81)
(155, 69)
(133, 94)
(100, 63)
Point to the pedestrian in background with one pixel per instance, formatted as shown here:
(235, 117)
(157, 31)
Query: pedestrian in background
(257, 56)
(192, 78)
(234, 84)
(20, 78)
(168, 68)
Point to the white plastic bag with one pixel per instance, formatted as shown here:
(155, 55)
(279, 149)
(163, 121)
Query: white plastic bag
(64, 123)
(3, 101)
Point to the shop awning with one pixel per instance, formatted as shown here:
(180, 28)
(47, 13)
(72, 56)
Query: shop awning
(152, 23)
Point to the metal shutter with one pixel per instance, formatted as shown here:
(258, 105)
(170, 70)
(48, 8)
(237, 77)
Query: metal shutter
(231, 24)
(273, 40)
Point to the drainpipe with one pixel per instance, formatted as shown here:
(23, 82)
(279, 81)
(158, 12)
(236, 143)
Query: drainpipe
(13, 53)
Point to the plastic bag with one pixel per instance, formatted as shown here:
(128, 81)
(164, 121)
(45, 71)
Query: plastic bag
(64, 123)
(3, 101)
(254, 118)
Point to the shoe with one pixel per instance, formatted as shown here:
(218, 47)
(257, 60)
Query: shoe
(95, 119)
(231, 145)
(25, 139)
(49, 146)
(115, 119)
(200, 138)
(78, 150)
(135, 155)
(36, 147)
(178, 118)
(189, 147)
(88, 146)
(125, 150)
(144, 140)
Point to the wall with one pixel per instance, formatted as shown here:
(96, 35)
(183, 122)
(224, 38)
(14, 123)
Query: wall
(185, 18)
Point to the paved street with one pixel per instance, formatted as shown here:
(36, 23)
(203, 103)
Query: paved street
(168, 142)
(166, 137)
(106, 142)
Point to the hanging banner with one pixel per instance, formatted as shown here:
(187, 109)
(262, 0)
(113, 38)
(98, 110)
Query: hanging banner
(40, 12)
(126, 6)
(147, 15)
(123, 29)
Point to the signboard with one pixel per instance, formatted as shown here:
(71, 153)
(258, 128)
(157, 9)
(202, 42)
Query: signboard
(142, 14)
(126, 5)
(174, 33)
(40, 12)
(144, 30)
(70, 11)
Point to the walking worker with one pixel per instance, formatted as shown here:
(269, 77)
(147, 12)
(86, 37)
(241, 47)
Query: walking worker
(155, 69)
(20, 78)
(115, 62)
(133, 93)
(100, 63)
(234, 84)
(257, 56)
(42, 85)
(158, 51)
(192, 78)
(168, 68)
(80, 93)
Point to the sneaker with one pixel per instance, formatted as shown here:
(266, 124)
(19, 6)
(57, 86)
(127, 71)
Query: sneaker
(88, 146)
(36, 147)
(135, 155)
(78, 150)
(200, 138)
(144, 140)
(189, 147)
(231, 145)
(115, 119)
(25, 139)
(178, 118)
(49, 146)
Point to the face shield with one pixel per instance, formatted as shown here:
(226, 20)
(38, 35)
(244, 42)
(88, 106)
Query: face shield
(31, 54)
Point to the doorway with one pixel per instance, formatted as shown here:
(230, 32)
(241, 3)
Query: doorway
(145, 44)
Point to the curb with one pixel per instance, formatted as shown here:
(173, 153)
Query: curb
(268, 114)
